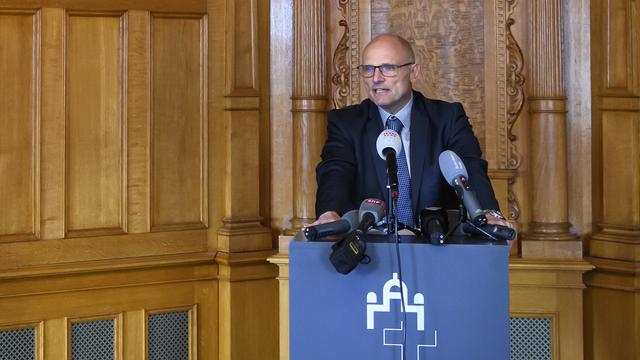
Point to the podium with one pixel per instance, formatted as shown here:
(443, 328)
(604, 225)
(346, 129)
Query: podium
(456, 300)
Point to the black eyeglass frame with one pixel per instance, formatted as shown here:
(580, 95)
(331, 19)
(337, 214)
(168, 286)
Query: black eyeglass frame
(394, 70)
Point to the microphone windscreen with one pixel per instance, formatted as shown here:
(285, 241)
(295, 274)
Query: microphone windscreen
(374, 207)
(451, 166)
(388, 139)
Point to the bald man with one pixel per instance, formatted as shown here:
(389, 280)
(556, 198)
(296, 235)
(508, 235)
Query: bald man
(351, 169)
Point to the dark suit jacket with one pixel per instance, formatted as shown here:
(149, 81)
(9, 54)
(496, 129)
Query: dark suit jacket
(351, 169)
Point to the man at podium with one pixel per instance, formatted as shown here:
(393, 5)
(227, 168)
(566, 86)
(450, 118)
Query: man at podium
(352, 169)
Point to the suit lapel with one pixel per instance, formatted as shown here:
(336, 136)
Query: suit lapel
(374, 128)
(419, 140)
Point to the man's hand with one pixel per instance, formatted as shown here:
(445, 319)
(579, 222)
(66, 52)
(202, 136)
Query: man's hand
(496, 220)
(327, 217)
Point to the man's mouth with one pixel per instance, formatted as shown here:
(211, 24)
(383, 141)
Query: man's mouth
(378, 91)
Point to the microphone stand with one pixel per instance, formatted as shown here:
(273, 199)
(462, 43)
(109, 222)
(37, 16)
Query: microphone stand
(392, 195)
(393, 225)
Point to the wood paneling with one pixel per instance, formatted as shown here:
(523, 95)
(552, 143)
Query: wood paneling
(249, 299)
(178, 122)
(56, 339)
(96, 157)
(280, 117)
(240, 130)
(65, 251)
(612, 301)
(553, 290)
(619, 60)
(53, 124)
(243, 70)
(113, 5)
(129, 95)
(20, 122)
(126, 294)
(621, 167)
(612, 322)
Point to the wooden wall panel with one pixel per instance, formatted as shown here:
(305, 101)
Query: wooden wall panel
(178, 122)
(619, 59)
(19, 124)
(613, 295)
(243, 72)
(187, 6)
(621, 167)
(127, 294)
(120, 162)
(95, 152)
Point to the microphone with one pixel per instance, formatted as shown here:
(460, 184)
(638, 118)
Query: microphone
(345, 224)
(455, 173)
(434, 224)
(389, 145)
(371, 211)
(350, 251)
(497, 232)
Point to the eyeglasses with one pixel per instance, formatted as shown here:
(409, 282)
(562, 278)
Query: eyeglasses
(385, 69)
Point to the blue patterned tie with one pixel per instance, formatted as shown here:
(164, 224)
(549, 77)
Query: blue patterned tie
(405, 209)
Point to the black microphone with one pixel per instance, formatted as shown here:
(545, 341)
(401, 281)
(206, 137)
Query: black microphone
(346, 224)
(389, 145)
(455, 173)
(371, 211)
(434, 224)
(496, 232)
(350, 251)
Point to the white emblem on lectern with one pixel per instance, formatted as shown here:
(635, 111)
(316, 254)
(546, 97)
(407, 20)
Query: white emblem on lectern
(389, 294)
(391, 291)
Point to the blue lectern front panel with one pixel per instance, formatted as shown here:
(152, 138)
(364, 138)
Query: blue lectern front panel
(456, 299)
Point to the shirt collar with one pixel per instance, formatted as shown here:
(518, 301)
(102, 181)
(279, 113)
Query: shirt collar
(404, 115)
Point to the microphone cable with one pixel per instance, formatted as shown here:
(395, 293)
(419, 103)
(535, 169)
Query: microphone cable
(402, 307)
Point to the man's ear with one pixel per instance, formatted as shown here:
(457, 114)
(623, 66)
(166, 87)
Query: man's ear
(416, 70)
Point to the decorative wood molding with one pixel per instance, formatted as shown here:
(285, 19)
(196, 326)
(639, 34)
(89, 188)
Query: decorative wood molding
(514, 204)
(515, 91)
(341, 78)
(107, 265)
(510, 84)
(346, 56)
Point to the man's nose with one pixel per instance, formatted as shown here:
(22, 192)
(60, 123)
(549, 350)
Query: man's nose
(377, 75)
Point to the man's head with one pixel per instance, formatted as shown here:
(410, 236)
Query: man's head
(393, 90)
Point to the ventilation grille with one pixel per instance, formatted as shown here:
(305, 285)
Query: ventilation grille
(530, 338)
(169, 336)
(92, 340)
(18, 344)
